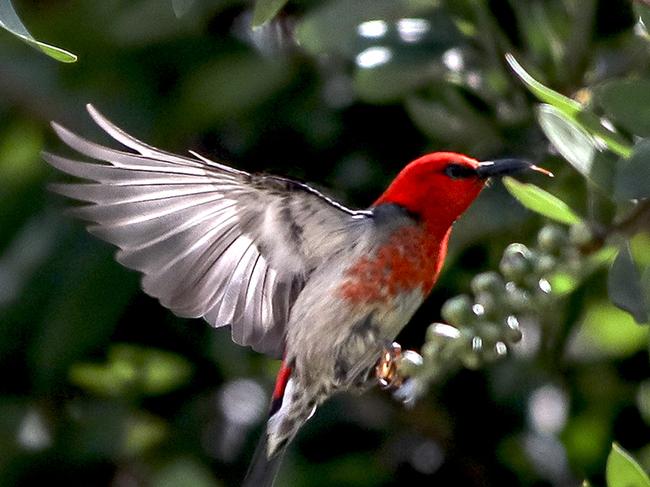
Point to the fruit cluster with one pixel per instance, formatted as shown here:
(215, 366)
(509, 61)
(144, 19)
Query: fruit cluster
(481, 328)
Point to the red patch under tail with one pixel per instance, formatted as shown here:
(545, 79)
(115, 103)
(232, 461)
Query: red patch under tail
(280, 385)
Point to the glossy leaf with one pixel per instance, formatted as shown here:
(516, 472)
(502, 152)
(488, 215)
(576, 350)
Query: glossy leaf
(623, 470)
(633, 177)
(10, 21)
(540, 201)
(571, 140)
(565, 104)
(572, 109)
(624, 286)
(265, 10)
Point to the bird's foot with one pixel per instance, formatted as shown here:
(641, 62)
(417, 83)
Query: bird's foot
(394, 368)
(386, 371)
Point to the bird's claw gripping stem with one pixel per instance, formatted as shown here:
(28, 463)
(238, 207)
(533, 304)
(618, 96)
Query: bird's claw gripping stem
(386, 370)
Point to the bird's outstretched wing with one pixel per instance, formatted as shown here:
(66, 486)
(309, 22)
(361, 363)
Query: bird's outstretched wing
(211, 241)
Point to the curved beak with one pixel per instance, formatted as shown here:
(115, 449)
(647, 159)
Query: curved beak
(505, 167)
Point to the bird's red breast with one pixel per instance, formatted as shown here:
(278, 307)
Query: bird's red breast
(411, 258)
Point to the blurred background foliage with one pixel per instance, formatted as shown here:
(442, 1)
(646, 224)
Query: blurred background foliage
(102, 386)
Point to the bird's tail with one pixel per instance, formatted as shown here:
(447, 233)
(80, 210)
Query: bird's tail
(263, 469)
(289, 410)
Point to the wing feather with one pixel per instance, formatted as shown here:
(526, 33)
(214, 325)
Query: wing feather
(211, 241)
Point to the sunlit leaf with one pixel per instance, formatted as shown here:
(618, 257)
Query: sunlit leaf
(130, 370)
(623, 470)
(640, 247)
(565, 104)
(265, 10)
(572, 109)
(607, 331)
(143, 431)
(10, 21)
(633, 177)
(159, 371)
(536, 199)
(624, 286)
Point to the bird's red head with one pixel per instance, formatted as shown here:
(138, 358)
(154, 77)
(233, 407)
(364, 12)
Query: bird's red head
(437, 187)
(440, 186)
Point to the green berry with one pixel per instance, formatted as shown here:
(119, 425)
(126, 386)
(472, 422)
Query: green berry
(489, 304)
(545, 264)
(487, 282)
(512, 332)
(551, 239)
(441, 333)
(489, 332)
(458, 310)
(430, 351)
(518, 298)
(410, 363)
(471, 360)
(516, 262)
(581, 235)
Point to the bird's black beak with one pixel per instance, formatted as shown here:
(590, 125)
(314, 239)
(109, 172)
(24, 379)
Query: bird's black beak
(505, 167)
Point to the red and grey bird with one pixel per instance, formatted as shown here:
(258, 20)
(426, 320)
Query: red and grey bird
(292, 272)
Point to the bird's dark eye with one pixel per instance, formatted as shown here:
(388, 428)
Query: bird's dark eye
(458, 171)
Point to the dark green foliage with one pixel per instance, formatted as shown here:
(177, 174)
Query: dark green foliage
(102, 386)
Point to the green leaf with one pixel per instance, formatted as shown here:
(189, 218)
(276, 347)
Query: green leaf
(265, 10)
(540, 201)
(628, 103)
(571, 140)
(607, 331)
(623, 470)
(633, 177)
(566, 105)
(131, 369)
(624, 286)
(578, 147)
(10, 21)
(572, 109)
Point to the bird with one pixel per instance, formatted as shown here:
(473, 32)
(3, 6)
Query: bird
(295, 274)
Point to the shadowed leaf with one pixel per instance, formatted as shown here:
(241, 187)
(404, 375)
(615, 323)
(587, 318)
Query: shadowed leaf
(633, 177)
(624, 286)
(265, 10)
